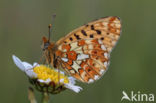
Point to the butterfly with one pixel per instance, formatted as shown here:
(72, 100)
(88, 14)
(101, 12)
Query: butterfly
(84, 53)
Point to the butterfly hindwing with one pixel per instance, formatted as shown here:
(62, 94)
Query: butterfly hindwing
(86, 62)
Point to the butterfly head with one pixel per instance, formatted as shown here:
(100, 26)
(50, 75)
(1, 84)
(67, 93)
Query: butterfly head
(47, 45)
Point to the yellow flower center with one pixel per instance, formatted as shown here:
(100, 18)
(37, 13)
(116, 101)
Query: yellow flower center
(43, 72)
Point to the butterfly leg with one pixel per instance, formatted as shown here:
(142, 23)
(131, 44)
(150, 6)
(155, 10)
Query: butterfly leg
(58, 68)
(58, 76)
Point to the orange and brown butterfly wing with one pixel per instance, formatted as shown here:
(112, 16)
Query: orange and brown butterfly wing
(84, 53)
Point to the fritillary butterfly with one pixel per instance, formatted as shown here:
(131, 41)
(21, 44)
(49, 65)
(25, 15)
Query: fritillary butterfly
(84, 53)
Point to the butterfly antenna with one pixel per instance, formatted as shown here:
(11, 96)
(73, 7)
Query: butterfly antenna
(50, 26)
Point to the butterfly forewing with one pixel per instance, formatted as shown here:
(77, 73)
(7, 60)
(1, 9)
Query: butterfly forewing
(107, 29)
(84, 53)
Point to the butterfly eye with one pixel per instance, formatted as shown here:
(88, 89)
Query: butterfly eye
(46, 45)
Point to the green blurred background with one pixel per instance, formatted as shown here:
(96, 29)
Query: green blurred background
(132, 68)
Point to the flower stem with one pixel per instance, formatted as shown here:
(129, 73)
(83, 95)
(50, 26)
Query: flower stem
(31, 95)
(45, 98)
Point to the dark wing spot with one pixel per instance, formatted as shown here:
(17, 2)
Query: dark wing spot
(89, 70)
(102, 38)
(93, 64)
(77, 37)
(95, 52)
(91, 36)
(92, 27)
(97, 57)
(98, 31)
(107, 33)
(71, 39)
(83, 32)
(87, 25)
(65, 42)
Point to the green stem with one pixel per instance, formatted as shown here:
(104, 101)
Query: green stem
(45, 98)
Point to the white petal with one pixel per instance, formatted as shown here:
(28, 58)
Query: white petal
(71, 80)
(73, 87)
(35, 64)
(61, 80)
(30, 73)
(27, 66)
(47, 81)
(18, 63)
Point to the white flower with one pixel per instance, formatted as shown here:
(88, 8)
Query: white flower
(41, 74)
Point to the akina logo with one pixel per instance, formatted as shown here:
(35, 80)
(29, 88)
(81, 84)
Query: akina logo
(137, 96)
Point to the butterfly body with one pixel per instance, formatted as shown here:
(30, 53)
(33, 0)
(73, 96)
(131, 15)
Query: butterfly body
(85, 52)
